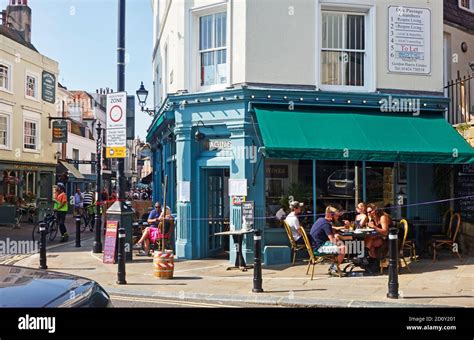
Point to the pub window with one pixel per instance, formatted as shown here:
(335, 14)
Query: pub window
(343, 49)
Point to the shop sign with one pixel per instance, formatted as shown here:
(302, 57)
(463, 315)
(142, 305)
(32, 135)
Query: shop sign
(276, 171)
(60, 131)
(110, 242)
(219, 144)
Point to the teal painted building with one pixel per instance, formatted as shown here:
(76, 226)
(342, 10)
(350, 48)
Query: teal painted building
(320, 147)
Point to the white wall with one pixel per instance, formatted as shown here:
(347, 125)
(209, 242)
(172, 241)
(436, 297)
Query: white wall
(85, 146)
(276, 42)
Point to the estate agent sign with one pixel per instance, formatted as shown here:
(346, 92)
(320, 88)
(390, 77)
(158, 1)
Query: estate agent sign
(409, 40)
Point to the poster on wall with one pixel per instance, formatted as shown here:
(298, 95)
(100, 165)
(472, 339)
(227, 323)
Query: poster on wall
(409, 40)
(237, 187)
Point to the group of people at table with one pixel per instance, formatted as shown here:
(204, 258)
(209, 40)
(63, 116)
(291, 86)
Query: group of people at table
(326, 236)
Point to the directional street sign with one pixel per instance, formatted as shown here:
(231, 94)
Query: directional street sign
(76, 161)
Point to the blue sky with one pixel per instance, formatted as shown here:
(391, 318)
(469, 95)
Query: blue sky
(82, 36)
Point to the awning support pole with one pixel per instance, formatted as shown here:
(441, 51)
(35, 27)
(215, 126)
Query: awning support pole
(314, 191)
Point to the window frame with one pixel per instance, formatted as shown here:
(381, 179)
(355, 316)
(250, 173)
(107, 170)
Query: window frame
(195, 59)
(370, 64)
(37, 77)
(471, 6)
(8, 89)
(38, 134)
(8, 145)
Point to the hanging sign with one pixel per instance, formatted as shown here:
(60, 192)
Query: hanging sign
(60, 131)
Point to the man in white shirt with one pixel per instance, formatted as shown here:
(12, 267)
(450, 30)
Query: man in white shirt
(293, 222)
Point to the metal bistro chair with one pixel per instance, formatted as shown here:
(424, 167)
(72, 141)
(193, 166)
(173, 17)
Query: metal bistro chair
(315, 259)
(450, 240)
(294, 247)
(401, 247)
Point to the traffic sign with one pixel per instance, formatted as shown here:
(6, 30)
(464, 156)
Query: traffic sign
(116, 110)
(116, 137)
(116, 152)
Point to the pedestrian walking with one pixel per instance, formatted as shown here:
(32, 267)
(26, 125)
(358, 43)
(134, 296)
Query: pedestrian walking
(61, 207)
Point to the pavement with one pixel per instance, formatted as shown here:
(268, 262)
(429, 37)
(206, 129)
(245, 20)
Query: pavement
(445, 283)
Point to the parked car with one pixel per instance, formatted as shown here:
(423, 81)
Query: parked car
(341, 182)
(26, 287)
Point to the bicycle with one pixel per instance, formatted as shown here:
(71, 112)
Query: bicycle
(52, 227)
(20, 213)
(88, 218)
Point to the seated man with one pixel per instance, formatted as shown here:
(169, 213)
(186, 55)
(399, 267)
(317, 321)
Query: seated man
(153, 233)
(325, 242)
(293, 222)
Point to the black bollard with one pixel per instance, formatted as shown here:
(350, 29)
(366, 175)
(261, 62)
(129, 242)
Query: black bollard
(121, 257)
(78, 231)
(393, 264)
(97, 246)
(257, 264)
(42, 245)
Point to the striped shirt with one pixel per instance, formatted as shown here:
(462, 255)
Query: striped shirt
(88, 198)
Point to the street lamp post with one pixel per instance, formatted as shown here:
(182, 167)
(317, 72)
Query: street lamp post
(97, 247)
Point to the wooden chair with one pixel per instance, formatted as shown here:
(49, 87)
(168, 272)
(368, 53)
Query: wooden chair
(447, 217)
(401, 247)
(315, 259)
(450, 239)
(294, 247)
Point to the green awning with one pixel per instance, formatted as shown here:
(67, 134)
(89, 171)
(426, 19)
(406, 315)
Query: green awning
(362, 136)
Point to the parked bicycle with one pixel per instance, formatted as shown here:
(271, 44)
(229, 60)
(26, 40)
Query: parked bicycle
(52, 226)
(88, 218)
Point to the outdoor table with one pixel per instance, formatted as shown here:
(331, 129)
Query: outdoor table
(359, 236)
(238, 236)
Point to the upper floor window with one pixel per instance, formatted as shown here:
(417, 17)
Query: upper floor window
(4, 77)
(4, 133)
(213, 49)
(31, 86)
(343, 49)
(467, 5)
(31, 135)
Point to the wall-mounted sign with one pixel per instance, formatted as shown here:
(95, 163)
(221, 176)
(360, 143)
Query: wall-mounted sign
(218, 144)
(116, 137)
(48, 92)
(276, 171)
(60, 131)
(237, 187)
(238, 200)
(409, 35)
(184, 191)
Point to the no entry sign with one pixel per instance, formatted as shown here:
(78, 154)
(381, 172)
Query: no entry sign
(116, 110)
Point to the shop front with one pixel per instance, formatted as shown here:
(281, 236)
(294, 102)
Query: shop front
(319, 148)
(25, 184)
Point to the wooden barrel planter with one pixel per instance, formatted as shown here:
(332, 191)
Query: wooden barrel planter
(163, 264)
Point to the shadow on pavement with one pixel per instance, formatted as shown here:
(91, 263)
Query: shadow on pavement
(294, 290)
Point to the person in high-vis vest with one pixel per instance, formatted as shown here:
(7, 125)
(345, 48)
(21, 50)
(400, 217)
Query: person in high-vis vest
(61, 207)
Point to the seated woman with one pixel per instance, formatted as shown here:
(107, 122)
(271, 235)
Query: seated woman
(380, 222)
(153, 232)
(361, 218)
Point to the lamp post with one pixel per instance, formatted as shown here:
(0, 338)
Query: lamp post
(97, 247)
(142, 95)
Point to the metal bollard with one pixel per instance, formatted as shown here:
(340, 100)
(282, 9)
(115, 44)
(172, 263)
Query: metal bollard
(393, 264)
(78, 231)
(42, 245)
(121, 257)
(257, 264)
(97, 246)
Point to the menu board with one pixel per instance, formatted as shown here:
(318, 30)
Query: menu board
(465, 188)
(248, 212)
(409, 40)
(110, 242)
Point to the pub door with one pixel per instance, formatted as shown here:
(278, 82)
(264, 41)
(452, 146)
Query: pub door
(217, 210)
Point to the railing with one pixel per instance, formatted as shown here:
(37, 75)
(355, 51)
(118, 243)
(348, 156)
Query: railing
(460, 109)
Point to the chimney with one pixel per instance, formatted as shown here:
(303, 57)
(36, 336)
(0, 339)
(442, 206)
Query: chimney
(18, 17)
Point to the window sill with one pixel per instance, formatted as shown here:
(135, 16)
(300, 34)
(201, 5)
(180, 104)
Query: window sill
(32, 98)
(342, 88)
(6, 90)
(212, 88)
(31, 151)
(5, 148)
